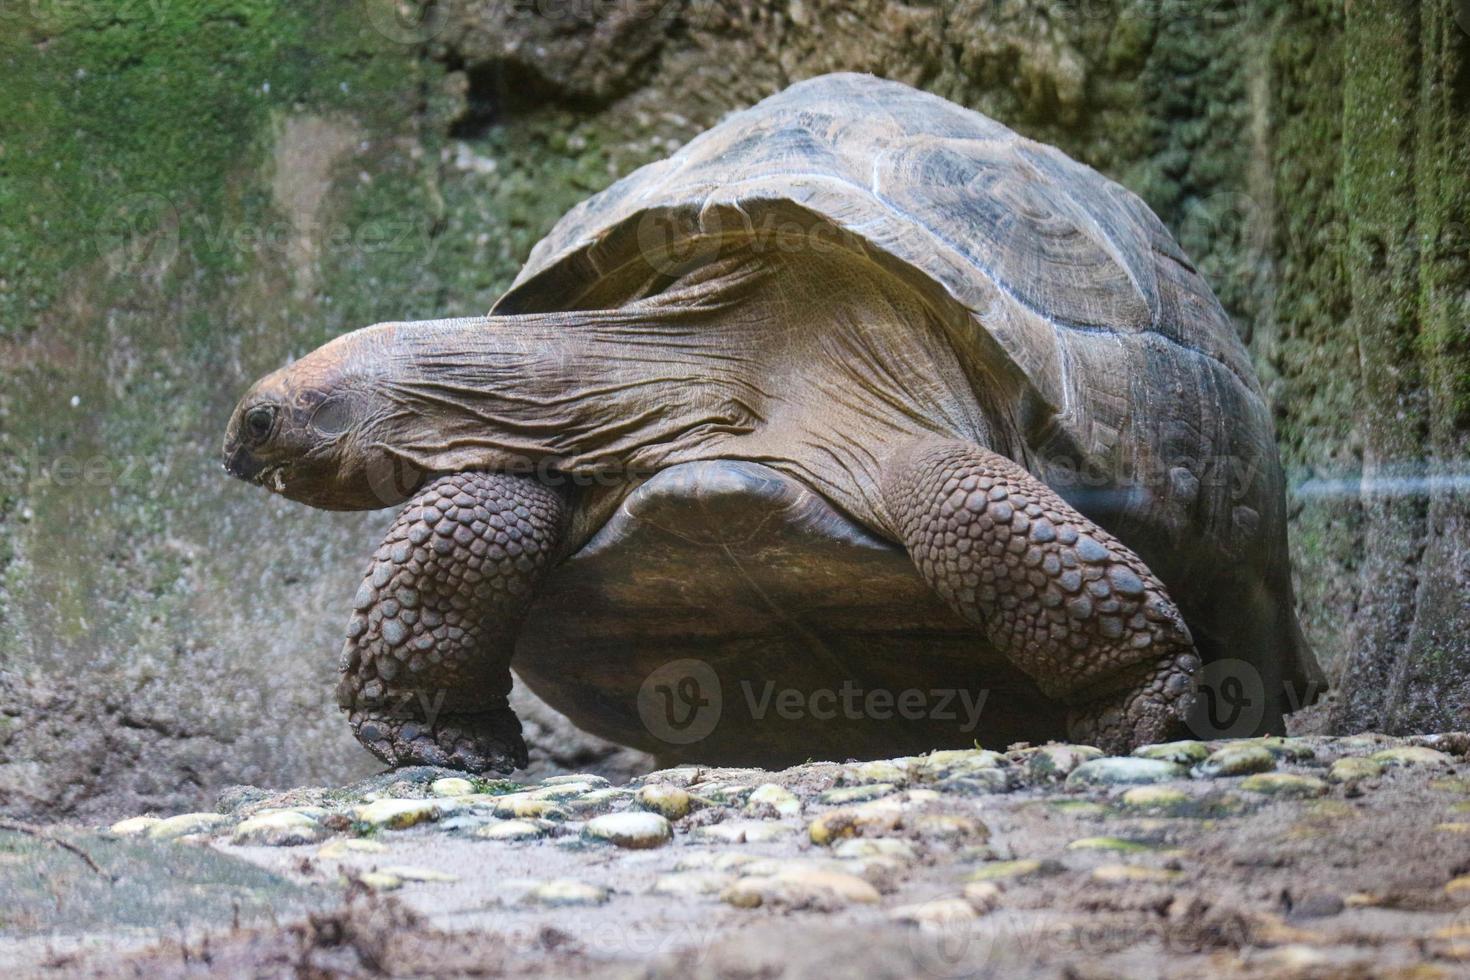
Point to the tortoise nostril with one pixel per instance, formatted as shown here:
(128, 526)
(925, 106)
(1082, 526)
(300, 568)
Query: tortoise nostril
(241, 464)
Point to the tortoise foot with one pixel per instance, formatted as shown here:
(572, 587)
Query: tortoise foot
(426, 664)
(1062, 598)
(479, 742)
(1152, 708)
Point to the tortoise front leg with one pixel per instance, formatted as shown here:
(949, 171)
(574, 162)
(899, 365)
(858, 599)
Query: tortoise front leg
(1064, 600)
(426, 667)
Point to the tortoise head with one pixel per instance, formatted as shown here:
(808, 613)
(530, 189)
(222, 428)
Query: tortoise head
(321, 431)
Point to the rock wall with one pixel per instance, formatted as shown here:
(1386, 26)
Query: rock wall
(191, 193)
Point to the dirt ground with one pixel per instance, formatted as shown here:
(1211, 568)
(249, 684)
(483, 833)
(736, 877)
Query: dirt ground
(1038, 862)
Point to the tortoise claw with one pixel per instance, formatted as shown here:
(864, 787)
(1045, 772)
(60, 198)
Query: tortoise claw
(481, 742)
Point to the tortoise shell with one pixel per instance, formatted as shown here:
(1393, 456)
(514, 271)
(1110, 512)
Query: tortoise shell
(1107, 366)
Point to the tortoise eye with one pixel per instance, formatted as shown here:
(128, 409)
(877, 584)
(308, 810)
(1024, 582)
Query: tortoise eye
(259, 422)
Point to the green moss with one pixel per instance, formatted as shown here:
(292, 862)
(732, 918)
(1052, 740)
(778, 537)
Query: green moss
(165, 107)
(144, 278)
(496, 787)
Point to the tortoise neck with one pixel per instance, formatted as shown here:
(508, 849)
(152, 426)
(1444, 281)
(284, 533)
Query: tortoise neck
(599, 390)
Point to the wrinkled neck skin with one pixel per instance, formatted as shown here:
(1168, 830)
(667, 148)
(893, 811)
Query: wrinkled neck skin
(813, 366)
(604, 392)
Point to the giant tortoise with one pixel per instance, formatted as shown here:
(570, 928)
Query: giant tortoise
(861, 424)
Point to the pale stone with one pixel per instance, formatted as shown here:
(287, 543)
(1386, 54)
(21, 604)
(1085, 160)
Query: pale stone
(1117, 844)
(1237, 760)
(452, 786)
(395, 814)
(770, 798)
(1003, 870)
(560, 791)
(1079, 808)
(511, 830)
(1412, 755)
(409, 872)
(866, 820)
(134, 826)
(685, 884)
(881, 771)
(857, 794)
(723, 793)
(1125, 770)
(979, 782)
(983, 895)
(1350, 769)
(187, 823)
(1150, 797)
(578, 778)
(634, 829)
(283, 828)
(597, 801)
(801, 887)
(1124, 873)
(939, 913)
(679, 776)
(1284, 784)
(859, 848)
(1295, 960)
(1185, 753)
(350, 845)
(947, 826)
(742, 832)
(952, 762)
(718, 860)
(519, 807)
(1282, 747)
(1054, 762)
(668, 801)
(567, 891)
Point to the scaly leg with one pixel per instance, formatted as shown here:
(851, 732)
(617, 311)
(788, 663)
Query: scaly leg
(426, 667)
(1067, 603)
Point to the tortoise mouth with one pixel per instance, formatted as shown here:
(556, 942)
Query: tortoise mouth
(268, 475)
(272, 477)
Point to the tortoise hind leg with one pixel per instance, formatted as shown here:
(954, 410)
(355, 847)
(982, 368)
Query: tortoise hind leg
(1060, 597)
(426, 666)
